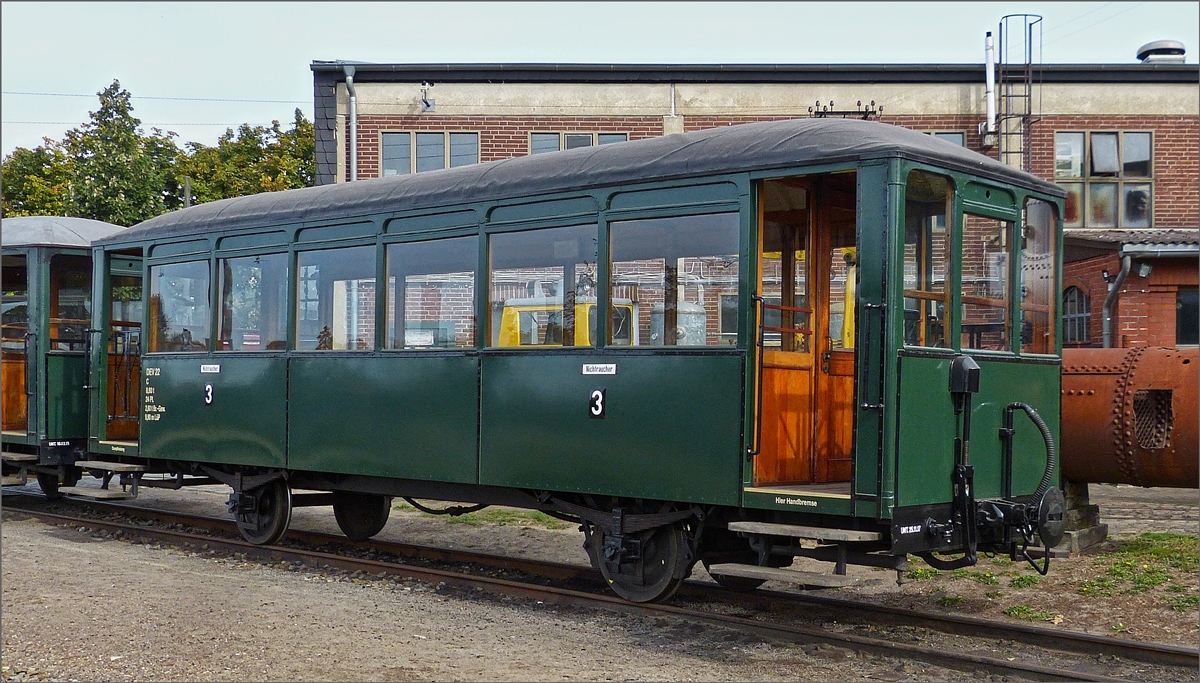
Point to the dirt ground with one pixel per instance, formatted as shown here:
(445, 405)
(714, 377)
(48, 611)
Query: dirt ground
(86, 607)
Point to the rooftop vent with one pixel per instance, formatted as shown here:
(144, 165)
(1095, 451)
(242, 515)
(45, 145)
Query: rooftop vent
(1161, 52)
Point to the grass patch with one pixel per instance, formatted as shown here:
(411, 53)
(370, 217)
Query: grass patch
(498, 516)
(1101, 587)
(1177, 551)
(1029, 613)
(1025, 581)
(922, 573)
(1184, 603)
(1001, 560)
(951, 600)
(983, 578)
(992, 595)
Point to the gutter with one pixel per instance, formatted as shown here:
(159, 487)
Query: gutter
(1113, 290)
(348, 69)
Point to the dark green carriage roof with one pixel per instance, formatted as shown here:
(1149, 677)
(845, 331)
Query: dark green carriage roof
(54, 231)
(731, 149)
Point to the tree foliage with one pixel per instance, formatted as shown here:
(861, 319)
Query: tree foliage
(108, 169)
(34, 181)
(251, 160)
(118, 174)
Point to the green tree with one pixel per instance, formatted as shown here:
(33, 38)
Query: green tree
(35, 181)
(251, 160)
(118, 174)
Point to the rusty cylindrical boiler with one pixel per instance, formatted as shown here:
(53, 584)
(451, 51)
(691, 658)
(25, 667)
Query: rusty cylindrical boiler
(1129, 416)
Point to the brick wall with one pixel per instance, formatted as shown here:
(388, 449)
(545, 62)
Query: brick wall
(1144, 312)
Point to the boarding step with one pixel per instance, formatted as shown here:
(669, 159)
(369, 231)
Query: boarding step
(93, 493)
(9, 456)
(805, 579)
(14, 480)
(809, 532)
(109, 466)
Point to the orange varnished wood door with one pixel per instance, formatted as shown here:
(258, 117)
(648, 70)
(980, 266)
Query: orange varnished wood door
(835, 271)
(15, 401)
(786, 407)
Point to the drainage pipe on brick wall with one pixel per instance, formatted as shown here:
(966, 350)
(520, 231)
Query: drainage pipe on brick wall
(348, 69)
(1113, 290)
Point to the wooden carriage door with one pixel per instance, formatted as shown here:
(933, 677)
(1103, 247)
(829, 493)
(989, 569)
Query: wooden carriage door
(835, 268)
(806, 335)
(782, 326)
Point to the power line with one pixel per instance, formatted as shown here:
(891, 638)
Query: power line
(1071, 21)
(148, 97)
(1128, 9)
(76, 123)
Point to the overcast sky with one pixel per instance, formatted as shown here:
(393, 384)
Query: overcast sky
(191, 66)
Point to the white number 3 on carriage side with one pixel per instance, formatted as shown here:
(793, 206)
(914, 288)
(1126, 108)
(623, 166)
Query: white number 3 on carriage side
(596, 405)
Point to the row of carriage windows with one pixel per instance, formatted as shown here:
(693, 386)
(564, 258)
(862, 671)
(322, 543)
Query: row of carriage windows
(673, 282)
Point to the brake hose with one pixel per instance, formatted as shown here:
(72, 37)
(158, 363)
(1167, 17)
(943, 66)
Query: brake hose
(1051, 451)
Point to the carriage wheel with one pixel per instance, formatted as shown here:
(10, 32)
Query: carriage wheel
(361, 515)
(272, 511)
(49, 483)
(651, 575)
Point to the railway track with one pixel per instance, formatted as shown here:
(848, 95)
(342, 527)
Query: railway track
(582, 586)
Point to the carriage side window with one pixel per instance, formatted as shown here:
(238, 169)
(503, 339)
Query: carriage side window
(926, 255)
(673, 279)
(985, 323)
(543, 287)
(1037, 278)
(70, 300)
(16, 301)
(435, 305)
(179, 307)
(253, 303)
(336, 301)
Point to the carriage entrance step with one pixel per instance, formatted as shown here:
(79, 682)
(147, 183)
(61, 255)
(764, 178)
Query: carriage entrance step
(809, 532)
(805, 579)
(94, 493)
(109, 466)
(9, 456)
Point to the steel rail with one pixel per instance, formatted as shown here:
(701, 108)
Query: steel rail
(961, 661)
(1044, 638)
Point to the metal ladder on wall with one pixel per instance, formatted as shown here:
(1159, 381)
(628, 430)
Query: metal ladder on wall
(1020, 89)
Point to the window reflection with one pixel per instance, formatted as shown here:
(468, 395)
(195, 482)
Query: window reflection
(254, 303)
(543, 287)
(669, 276)
(179, 307)
(336, 301)
(1038, 275)
(926, 255)
(435, 307)
(985, 282)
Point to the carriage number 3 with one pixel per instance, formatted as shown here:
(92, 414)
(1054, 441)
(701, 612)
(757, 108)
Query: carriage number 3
(596, 403)
(208, 394)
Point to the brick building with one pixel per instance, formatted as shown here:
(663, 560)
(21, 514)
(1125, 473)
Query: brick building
(1124, 139)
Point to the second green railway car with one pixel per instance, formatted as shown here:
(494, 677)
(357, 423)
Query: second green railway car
(708, 347)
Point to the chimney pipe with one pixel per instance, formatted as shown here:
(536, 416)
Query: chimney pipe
(990, 51)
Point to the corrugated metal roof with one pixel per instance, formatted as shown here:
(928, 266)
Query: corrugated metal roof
(53, 231)
(728, 149)
(1135, 236)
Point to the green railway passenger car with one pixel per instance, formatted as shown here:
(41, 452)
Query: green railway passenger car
(716, 347)
(44, 338)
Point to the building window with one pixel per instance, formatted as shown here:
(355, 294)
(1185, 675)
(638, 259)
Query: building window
(1187, 316)
(957, 137)
(1077, 316)
(1107, 176)
(405, 153)
(553, 142)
